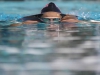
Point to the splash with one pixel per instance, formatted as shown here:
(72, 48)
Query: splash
(83, 14)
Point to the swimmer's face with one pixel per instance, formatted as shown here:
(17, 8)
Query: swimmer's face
(51, 17)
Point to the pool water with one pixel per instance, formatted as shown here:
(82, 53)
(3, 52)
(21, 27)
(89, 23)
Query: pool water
(28, 50)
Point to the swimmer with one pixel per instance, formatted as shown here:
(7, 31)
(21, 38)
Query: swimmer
(49, 14)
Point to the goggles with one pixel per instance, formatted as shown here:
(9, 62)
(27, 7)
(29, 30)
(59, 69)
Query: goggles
(51, 19)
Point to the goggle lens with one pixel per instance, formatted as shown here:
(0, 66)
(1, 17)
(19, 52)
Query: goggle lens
(49, 19)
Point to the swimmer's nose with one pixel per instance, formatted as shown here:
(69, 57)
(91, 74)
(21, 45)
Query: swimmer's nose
(51, 25)
(51, 21)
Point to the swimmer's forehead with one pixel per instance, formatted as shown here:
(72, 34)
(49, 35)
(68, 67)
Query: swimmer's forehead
(51, 14)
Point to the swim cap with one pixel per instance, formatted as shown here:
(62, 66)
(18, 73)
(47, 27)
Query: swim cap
(50, 7)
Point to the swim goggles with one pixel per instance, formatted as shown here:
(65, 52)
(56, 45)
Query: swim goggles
(48, 20)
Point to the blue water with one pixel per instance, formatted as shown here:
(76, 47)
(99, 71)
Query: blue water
(27, 50)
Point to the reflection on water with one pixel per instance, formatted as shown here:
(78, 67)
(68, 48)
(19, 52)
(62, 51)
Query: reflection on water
(28, 51)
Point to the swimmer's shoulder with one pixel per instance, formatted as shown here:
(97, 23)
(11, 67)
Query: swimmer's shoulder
(31, 17)
(69, 18)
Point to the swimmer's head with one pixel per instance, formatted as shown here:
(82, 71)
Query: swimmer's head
(51, 13)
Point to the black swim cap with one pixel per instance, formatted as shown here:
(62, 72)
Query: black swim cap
(50, 7)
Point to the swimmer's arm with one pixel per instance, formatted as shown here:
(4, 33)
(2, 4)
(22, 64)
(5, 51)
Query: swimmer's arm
(29, 22)
(70, 18)
(74, 19)
(16, 24)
